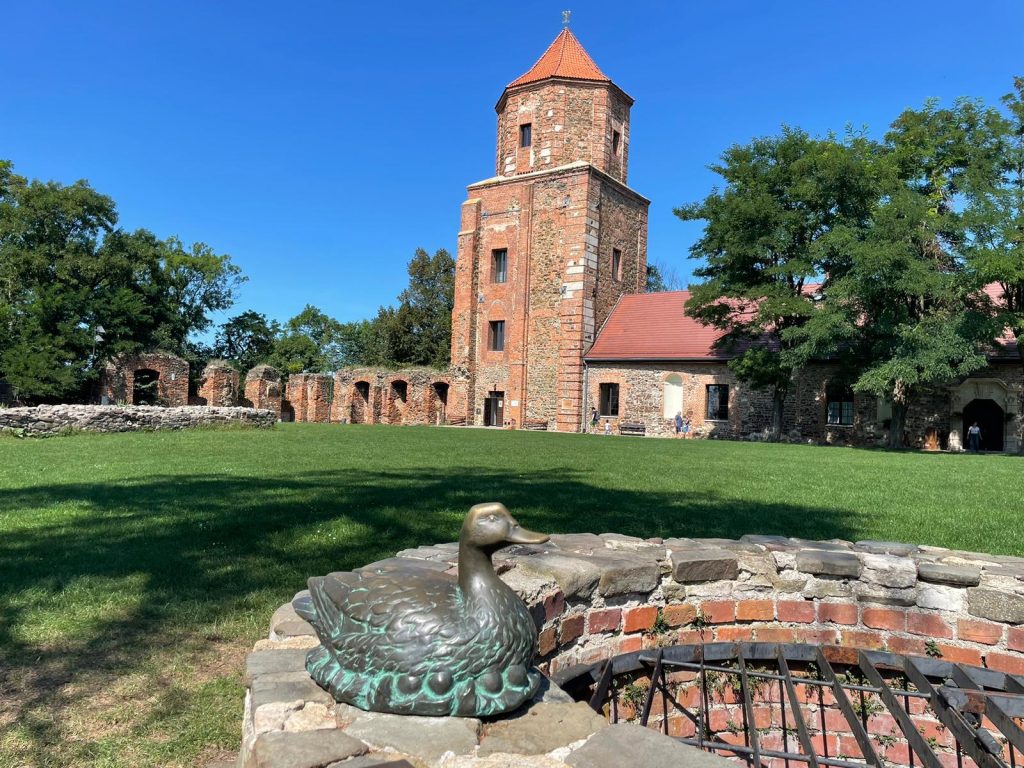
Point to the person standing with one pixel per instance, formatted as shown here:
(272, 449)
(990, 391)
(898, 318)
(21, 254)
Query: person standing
(974, 438)
(679, 424)
(593, 419)
(686, 428)
(607, 427)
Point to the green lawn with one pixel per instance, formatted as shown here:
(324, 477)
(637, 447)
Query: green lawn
(136, 570)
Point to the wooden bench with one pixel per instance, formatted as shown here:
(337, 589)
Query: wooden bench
(536, 425)
(632, 428)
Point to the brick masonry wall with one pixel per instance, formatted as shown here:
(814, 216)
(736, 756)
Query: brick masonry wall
(429, 396)
(219, 385)
(571, 122)
(117, 383)
(263, 388)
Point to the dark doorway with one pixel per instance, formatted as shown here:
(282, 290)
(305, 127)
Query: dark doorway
(990, 418)
(144, 388)
(399, 396)
(441, 394)
(494, 409)
(360, 402)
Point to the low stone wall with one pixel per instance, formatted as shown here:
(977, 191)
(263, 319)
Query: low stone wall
(597, 596)
(47, 420)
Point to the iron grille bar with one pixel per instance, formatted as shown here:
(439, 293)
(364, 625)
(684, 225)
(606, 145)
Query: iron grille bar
(967, 678)
(739, 749)
(856, 726)
(914, 738)
(798, 715)
(978, 742)
(748, 711)
(655, 683)
(601, 691)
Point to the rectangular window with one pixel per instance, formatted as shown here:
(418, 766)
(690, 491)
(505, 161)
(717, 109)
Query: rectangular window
(718, 402)
(840, 405)
(525, 135)
(609, 399)
(616, 140)
(617, 265)
(499, 265)
(496, 336)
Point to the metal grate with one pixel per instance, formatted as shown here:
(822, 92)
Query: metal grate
(982, 709)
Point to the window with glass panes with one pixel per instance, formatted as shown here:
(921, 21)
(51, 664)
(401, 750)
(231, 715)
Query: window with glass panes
(839, 406)
(718, 401)
(609, 404)
(496, 336)
(499, 265)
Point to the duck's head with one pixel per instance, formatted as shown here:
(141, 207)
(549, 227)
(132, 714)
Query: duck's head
(490, 527)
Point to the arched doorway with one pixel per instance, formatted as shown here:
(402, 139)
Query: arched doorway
(144, 386)
(440, 392)
(990, 418)
(673, 397)
(360, 403)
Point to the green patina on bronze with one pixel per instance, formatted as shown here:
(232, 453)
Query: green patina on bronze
(414, 641)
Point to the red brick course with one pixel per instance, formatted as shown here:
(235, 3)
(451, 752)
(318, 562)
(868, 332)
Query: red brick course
(796, 611)
(755, 610)
(976, 631)
(885, 618)
(928, 624)
(639, 619)
(837, 613)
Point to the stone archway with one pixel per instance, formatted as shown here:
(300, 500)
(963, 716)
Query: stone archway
(1002, 398)
(990, 418)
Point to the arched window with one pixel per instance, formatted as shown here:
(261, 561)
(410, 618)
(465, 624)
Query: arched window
(673, 397)
(839, 400)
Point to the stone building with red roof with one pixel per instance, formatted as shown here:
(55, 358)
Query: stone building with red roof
(550, 318)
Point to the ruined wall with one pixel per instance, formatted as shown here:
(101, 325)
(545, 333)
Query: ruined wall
(219, 385)
(571, 122)
(49, 420)
(310, 396)
(118, 381)
(405, 396)
(263, 388)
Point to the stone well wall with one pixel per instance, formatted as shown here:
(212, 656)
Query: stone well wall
(597, 596)
(47, 420)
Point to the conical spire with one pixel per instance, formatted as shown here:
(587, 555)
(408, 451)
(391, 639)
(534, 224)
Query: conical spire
(565, 57)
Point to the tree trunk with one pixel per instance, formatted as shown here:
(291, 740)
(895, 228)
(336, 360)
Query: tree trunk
(898, 424)
(778, 408)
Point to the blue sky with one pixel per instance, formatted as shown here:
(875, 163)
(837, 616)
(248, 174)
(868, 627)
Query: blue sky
(321, 143)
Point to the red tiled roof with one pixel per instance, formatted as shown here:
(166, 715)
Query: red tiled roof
(652, 326)
(565, 57)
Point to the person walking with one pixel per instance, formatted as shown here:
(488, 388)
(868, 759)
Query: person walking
(679, 424)
(593, 419)
(974, 438)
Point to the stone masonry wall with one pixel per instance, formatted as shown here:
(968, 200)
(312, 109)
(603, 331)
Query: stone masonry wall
(594, 597)
(49, 420)
(429, 395)
(310, 396)
(642, 388)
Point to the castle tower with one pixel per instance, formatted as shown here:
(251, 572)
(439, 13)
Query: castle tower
(547, 245)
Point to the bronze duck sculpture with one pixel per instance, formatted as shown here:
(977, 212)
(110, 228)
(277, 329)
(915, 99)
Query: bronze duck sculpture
(410, 640)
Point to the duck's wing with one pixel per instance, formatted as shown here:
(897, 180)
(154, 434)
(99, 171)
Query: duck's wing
(414, 610)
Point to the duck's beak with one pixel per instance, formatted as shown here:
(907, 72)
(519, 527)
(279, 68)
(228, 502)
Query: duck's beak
(517, 535)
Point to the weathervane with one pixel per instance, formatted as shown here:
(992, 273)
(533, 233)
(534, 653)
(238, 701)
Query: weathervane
(565, 19)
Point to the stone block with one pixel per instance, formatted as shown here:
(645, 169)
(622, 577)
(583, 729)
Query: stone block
(285, 690)
(575, 576)
(583, 543)
(627, 575)
(628, 744)
(274, 662)
(619, 542)
(887, 548)
(311, 749)
(1005, 607)
(889, 571)
(711, 564)
(828, 562)
(426, 738)
(941, 598)
(541, 729)
(955, 575)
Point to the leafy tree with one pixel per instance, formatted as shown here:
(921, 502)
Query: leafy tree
(246, 340)
(901, 302)
(994, 218)
(76, 290)
(765, 243)
(419, 330)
